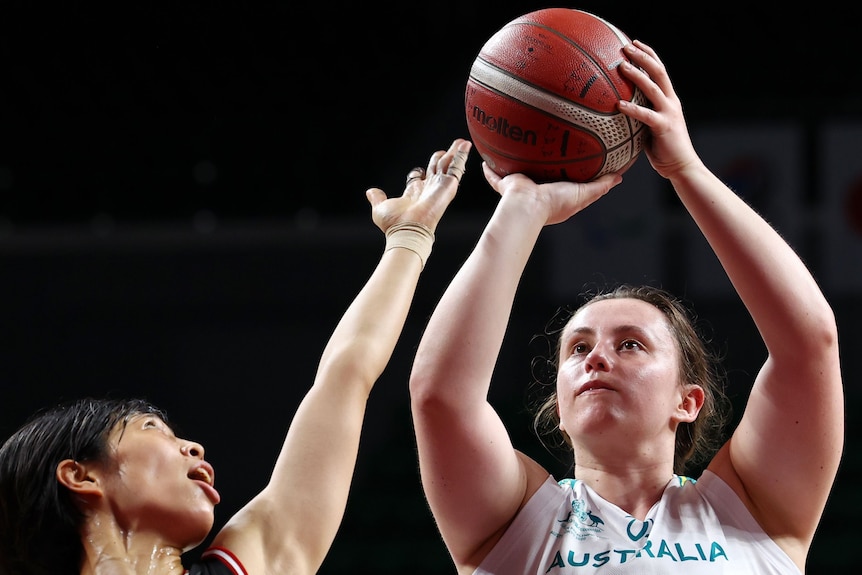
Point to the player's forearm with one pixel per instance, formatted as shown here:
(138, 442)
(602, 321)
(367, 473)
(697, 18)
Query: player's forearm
(768, 275)
(368, 331)
(459, 347)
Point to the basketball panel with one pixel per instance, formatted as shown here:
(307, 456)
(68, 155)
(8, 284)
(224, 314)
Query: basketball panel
(554, 64)
(514, 125)
(600, 41)
(572, 169)
(513, 137)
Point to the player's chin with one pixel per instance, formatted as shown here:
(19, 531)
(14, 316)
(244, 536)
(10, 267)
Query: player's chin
(196, 541)
(197, 528)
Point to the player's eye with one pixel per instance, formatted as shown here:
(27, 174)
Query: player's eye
(630, 344)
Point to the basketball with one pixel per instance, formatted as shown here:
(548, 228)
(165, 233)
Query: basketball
(542, 94)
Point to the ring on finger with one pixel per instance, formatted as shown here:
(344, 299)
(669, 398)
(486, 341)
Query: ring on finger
(415, 174)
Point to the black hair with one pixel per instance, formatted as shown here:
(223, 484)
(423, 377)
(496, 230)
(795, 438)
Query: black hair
(39, 520)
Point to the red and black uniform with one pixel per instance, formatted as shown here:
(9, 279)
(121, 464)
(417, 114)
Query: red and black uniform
(217, 561)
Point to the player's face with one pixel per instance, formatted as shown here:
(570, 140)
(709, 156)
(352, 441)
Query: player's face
(619, 379)
(159, 483)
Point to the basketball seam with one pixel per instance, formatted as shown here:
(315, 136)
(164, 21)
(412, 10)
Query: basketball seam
(493, 78)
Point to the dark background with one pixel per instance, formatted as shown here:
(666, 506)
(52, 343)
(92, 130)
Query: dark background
(182, 214)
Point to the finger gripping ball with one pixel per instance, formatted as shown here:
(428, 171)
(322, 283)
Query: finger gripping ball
(542, 94)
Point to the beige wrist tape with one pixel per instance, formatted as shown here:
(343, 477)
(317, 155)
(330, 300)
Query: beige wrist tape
(416, 237)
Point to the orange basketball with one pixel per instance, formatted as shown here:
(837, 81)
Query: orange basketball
(542, 98)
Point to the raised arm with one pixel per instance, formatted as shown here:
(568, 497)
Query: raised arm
(290, 525)
(783, 457)
(474, 479)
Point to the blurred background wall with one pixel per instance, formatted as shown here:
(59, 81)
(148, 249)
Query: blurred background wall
(182, 215)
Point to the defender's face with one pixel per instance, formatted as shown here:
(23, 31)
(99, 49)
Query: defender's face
(160, 483)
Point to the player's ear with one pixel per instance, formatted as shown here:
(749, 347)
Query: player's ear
(691, 402)
(80, 478)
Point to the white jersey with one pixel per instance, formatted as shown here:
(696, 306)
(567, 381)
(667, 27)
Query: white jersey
(698, 527)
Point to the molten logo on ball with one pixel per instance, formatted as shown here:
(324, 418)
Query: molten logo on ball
(502, 127)
(542, 98)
